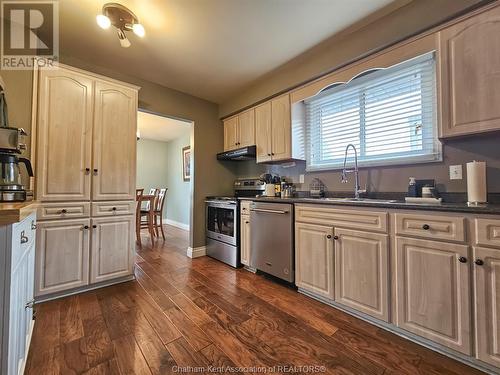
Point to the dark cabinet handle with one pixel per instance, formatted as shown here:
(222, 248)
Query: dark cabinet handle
(114, 208)
(24, 238)
(33, 225)
(272, 153)
(328, 236)
(94, 226)
(335, 237)
(462, 260)
(426, 227)
(247, 222)
(63, 211)
(87, 170)
(96, 170)
(479, 262)
(85, 227)
(268, 154)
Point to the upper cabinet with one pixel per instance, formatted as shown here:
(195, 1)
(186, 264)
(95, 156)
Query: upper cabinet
(114, 154)
(239, 131)
(65, 104)
(85, 137)
(470, 75)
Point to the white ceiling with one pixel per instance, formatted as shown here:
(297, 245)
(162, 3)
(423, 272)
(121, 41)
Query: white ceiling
(207, 48)
(159, 128)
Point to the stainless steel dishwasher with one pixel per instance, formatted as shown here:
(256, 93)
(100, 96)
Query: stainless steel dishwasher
(271, 239)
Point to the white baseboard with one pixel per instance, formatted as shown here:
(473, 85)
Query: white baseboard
(176, 224)
(196, 252)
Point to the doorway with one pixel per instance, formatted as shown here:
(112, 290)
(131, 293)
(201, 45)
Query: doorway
(164, 168)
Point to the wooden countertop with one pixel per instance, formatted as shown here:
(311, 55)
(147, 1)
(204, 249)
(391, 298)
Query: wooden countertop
(16, 211)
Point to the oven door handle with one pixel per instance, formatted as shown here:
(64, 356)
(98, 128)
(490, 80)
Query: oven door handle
(268, 211)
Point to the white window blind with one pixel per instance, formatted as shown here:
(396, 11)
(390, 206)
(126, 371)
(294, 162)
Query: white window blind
(388, 114)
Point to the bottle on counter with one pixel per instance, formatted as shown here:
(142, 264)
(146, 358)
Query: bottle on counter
(412, 187)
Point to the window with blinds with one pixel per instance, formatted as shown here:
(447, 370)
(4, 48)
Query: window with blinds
(388, 114)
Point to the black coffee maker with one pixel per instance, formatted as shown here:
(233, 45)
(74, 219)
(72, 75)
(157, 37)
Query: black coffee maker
(11, 145)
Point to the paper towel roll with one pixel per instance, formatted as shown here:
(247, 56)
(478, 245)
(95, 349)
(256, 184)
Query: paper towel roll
(476, 182)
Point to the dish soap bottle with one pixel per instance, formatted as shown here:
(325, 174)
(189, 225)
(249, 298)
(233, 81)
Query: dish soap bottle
(412, 187)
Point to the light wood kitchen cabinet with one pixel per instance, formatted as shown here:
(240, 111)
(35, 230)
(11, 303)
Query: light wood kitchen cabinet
(470, 75)
(239, 131)
(263, 132)
(62, 258)
(114, 142)
(487, 304)
(245, 239)
(433, 291)
(314, 270)
(64, 135)
(281, 129)
(112, 249)
(361, 272)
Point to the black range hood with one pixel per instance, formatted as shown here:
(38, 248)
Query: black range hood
(244, 153)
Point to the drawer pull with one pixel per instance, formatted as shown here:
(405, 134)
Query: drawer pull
(426, 227)
(94, 226)
(87, 170)
(29, 304)
(33, 225)
(113, 209)
(24, 238)
(462, 260)
(63, 211)
(479, 262)
(85, 227)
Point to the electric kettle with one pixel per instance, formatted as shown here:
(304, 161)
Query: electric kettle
(11, 189)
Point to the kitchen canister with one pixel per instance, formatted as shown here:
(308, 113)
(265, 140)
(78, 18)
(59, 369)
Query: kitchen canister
(476, 182)
(270, 190)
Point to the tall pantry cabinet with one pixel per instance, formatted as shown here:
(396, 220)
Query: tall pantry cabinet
(85, 160)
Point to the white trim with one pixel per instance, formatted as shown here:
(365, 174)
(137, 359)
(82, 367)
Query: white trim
(196, 252)
(176, 224)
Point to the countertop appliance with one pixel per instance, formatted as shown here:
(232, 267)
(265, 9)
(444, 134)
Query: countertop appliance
(243, 153)
(222, 213)
(272, 239)
(11, 189)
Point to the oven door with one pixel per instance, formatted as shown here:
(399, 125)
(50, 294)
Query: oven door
(221, 221)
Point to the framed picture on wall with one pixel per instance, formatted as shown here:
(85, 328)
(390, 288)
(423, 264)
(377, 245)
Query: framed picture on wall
(186, 163)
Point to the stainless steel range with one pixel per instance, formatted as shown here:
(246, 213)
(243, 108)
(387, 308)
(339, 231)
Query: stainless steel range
(222, 213)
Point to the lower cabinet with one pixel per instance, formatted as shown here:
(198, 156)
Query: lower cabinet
(112, 250)
(245, 240)
(314, 270)
(77, 252)
(433, 291)
(487, 303)
(361, 272)
(62, 260)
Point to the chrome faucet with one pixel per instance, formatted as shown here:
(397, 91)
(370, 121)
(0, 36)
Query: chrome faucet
(357, 190)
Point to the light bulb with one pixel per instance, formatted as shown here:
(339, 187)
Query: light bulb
(103, 21)
(138, 30)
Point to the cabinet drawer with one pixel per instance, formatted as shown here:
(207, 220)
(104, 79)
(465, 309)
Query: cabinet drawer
(245, 207)
(65, 210)
(431, 226)
(337, 217)
(113, 208)
(487, 232)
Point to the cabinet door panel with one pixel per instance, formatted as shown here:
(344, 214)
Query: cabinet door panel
(115, 127)
(487, 301)
(263, 132)
(62, 258)
(361, 276)
(245, 239)
(433, 291)
(112, 248)
(64, 136)
(281, 128)
(314, 259)
(231, 133)
(470, 75)
(246, 128)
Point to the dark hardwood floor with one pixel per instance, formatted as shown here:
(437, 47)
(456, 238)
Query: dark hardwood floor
(200, 313)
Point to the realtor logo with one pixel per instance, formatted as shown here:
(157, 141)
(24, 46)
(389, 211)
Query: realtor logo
(30, 34)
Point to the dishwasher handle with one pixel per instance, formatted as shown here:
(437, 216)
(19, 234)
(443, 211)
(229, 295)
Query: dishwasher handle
(265, 210)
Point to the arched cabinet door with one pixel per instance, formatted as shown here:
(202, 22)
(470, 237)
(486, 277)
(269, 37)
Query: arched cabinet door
(64, 135)
(114, 145)
(470, 75)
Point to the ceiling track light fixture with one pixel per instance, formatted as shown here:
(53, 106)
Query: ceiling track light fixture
(123, 19)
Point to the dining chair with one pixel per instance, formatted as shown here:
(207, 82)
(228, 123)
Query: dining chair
(158, 212)
(148, 215)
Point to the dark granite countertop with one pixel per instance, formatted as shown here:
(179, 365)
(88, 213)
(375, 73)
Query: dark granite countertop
(492, 209)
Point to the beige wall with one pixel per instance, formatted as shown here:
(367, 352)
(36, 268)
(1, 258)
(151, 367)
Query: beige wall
(338, 50)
